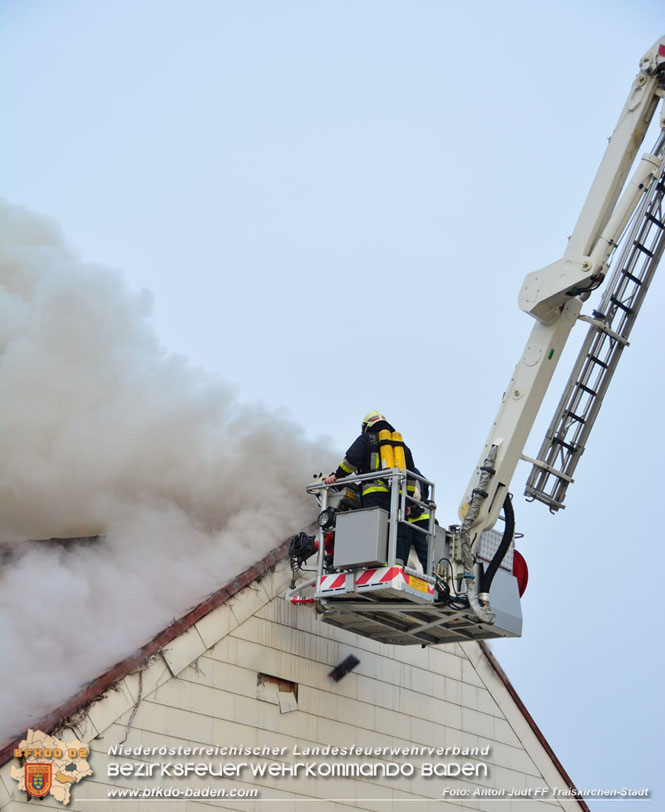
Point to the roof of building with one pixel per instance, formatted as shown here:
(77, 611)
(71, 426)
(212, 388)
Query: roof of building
(96, 688)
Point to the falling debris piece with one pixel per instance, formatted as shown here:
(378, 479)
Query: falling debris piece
(344, 667)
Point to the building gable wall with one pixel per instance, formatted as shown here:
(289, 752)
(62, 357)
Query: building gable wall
(203, 690)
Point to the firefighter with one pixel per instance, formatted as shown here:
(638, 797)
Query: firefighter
(418, 518)
(364, 456)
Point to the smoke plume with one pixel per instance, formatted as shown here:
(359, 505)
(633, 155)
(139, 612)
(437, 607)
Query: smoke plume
(103, 432)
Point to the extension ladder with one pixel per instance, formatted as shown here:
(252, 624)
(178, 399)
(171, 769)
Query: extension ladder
(610, 326)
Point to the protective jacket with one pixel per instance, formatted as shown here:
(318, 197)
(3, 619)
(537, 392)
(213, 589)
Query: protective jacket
(363, 456)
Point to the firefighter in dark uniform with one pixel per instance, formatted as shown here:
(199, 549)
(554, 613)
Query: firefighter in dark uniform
(419, 518)
(364, 456)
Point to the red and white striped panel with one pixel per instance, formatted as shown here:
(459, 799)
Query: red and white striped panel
(332, 583)
(383, 575)
(394, 577)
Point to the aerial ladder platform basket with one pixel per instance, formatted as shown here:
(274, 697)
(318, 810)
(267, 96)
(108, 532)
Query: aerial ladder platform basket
(359, 585)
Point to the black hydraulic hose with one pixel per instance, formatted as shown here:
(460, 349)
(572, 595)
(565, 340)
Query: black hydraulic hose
(301, 547)
(502, 549)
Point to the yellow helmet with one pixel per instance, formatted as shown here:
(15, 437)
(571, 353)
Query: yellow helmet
(370, 419)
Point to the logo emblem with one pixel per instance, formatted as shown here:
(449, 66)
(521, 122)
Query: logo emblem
(50, 766)
(38, 779)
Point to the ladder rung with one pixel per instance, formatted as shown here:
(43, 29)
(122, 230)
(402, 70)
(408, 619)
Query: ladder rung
(643, 248)
(545, 498)
(624, 307)
(586, 389)
(655, 220)
(572, 448)
(574, 416)
(632, 278)
(597, 361)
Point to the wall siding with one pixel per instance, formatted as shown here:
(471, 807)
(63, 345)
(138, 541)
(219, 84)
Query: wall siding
(202, 690)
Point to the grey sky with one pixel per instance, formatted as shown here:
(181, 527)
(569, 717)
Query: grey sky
(334, 205)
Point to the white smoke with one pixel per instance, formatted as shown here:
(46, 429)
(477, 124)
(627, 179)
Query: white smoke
(102, 431)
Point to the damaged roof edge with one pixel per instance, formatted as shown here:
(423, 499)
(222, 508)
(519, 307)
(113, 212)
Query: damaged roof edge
(121, 669)
(97, 687)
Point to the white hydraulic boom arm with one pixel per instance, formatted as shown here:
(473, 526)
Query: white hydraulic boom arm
(555, 294)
